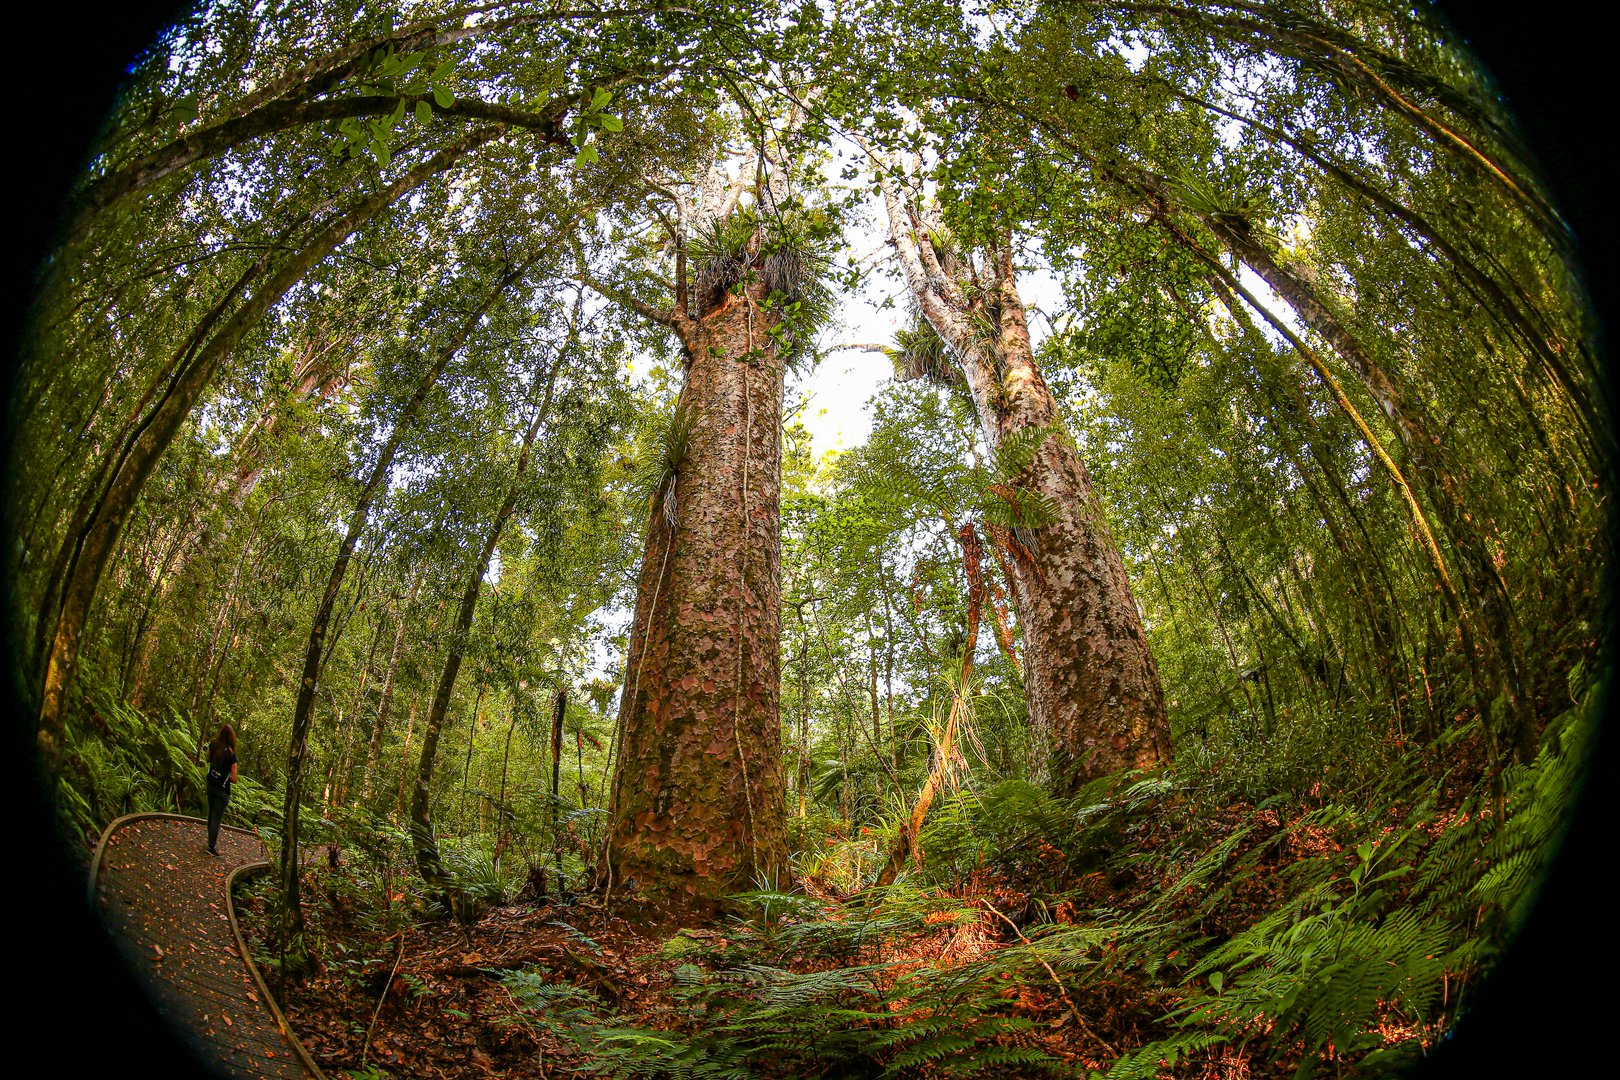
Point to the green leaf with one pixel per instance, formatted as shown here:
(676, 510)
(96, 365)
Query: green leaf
(183, 110)
(443, 97)
(1217, 980)
(424, 112)
(610, 122)
(586, 156)
(600, 99)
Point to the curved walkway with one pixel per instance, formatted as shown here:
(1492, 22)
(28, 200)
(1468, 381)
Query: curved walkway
(168, 904)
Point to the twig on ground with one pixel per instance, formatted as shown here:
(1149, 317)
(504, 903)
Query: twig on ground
(1067, 1000)
(366, 1047)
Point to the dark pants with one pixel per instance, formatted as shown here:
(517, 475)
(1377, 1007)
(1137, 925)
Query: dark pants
(216, 813)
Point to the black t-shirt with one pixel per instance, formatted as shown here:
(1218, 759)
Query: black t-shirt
(222, 766)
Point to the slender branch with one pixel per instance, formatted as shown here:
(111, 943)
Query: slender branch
(1067, 1000)
(619, 296)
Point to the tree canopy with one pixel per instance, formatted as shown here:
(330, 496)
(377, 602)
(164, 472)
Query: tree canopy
(416, 392)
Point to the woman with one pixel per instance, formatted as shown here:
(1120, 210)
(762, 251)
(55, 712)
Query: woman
(221, 775)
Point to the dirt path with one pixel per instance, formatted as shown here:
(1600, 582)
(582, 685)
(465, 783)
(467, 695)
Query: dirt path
(167, 903)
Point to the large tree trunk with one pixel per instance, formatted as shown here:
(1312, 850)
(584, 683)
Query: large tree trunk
(1095, 702)
(697, 804)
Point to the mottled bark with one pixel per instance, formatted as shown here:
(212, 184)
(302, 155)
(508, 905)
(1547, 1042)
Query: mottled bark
(698, 788)
(1095, 701)
(1088, 673)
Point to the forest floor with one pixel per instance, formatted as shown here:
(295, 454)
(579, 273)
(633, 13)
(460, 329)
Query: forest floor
(1061, 961)
(431, 993)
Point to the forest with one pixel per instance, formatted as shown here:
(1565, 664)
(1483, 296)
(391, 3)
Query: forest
(841, 538)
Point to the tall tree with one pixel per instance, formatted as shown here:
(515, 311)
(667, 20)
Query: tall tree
(318, 648)
(1095, 703)
(423, 841)
(98, 522)
(697, 797)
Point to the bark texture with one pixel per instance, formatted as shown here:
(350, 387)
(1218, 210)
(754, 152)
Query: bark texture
(697, 803)
(1095, 701)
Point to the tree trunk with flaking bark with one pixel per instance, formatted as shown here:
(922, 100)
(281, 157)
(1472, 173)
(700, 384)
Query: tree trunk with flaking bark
(698, 790)
(1095, 702)
(1093, 688)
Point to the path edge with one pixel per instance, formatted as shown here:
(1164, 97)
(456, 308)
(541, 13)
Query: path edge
(119, 822)
(241, 873)
(231, 879)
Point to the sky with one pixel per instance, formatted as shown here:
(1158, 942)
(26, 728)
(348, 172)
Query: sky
(833, 401)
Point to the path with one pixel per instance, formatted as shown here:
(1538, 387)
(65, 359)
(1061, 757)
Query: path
(167, 902)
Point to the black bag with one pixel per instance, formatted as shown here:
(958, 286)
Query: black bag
(217, 782)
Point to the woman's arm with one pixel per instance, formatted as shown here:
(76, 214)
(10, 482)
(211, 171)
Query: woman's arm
(233, 772)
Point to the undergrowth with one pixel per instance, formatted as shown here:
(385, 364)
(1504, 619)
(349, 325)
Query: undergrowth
(1158, 929)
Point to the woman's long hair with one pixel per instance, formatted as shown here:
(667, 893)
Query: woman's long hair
(224, 741)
